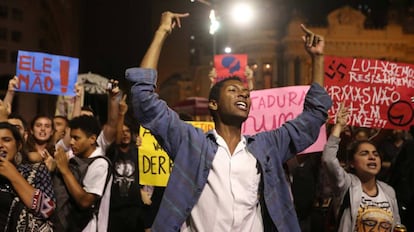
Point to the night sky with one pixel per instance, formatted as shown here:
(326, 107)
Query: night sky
(115, 34)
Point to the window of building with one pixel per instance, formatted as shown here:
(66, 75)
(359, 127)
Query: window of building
(43, 44)
(3, 55)
(16, 36)
(17, 14)
(4, 12)
(13, 56)
(3, 33)
(44, 24)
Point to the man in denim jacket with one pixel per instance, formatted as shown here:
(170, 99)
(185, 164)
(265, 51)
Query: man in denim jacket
(222, 180)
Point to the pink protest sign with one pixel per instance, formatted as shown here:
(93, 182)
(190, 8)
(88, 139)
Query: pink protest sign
(377, 92)
(272, 107)
(228, 65)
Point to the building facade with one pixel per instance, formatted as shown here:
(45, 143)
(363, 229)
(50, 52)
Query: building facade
(280, 60)
(35, 25)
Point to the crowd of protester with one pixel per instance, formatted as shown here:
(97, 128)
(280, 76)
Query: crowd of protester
(69, 173)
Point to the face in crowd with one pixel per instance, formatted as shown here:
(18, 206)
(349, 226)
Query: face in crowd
(230, 102)
(42, 129)
(10, 141)
(366, 161)
(60, 124)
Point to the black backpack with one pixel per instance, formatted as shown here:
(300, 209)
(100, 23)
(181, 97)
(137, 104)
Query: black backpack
(68, 216)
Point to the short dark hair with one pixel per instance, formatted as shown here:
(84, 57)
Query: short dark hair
(215, 90)
(62, 117)
(88, 124)
(18, 117)
(88, 108)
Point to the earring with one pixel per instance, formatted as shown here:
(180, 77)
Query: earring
(18, 158)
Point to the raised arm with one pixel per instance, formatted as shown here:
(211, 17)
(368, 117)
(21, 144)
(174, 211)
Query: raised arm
(338, 175)
(168, 22)
(123, 108)
(77, 106)
(114, 96)
(8, 99)
(314, 45)
(340, 121)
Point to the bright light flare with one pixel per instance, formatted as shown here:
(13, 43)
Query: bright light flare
(214, 23)
(242, 13)
(227, 50)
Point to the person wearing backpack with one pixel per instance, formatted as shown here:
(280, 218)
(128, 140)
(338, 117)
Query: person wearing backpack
(372, 205)
(82, 183)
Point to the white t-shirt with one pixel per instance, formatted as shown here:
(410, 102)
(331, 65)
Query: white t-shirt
(94, 182)
(374, 213)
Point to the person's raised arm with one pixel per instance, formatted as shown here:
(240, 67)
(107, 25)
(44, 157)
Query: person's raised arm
(8, 99)
(314, 45)
(168, 22)
(114, 97)
(123, 108)
(77, 106)
(5, 110)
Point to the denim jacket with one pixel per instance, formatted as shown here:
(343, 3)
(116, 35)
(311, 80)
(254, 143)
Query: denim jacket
(193, 152)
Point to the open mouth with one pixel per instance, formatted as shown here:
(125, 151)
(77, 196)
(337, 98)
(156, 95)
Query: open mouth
(3, 154)
(372, 165)
(241, 105)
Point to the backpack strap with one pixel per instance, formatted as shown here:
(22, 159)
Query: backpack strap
(108, 177)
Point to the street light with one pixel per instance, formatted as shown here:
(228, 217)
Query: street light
(214, 23)
(242, 13)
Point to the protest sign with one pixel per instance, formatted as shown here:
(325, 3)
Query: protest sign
(45, 73)
(378, 92)
(228, 65)
(270, 108)
(154, 164)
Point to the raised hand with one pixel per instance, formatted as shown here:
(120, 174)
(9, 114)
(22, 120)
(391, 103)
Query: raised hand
(170, 20)
(13, 84)
(314, 44)
(62, 161)
(342, 115)
(249, 77)
(212, 76)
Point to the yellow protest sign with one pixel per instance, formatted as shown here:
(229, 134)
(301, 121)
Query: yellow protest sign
(154, 164)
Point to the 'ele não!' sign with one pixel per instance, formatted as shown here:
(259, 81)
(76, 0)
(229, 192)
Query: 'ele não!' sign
(46, 74)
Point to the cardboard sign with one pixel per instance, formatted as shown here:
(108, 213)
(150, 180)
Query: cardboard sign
(377, 92)
(228, 65)
(271, 108)
(154, 164)
(46, 73)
